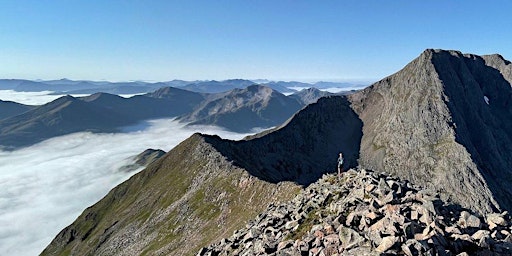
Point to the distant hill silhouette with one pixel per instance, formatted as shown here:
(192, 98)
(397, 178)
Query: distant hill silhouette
(309, 95)
(10, 108)
(244, 109)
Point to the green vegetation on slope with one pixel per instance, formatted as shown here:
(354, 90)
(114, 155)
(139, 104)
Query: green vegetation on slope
(189, 198)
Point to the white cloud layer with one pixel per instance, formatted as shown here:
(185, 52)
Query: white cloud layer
(38, 98)
(46, 186)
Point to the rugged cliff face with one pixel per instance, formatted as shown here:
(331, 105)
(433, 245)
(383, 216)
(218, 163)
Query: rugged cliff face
(183, 201)
(444, 122)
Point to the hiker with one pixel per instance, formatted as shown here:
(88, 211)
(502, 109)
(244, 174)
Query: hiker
(340, 163)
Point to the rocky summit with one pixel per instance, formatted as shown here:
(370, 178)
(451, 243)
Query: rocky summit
(366, 213)
(444, 122)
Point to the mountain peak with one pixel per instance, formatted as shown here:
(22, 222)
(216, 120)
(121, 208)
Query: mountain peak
(437, 122)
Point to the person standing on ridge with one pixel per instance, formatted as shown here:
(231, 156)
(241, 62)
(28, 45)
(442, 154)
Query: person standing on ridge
(340, 163)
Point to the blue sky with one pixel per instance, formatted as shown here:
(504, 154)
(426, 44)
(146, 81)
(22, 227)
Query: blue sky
(220, 39)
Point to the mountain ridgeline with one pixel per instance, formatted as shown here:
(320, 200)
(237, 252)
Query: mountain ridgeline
(239, 110)
(443, 122)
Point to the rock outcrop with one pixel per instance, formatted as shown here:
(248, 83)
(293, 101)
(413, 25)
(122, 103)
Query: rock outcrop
(365, 213)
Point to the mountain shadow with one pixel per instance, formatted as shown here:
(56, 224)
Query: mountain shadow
(304, 148)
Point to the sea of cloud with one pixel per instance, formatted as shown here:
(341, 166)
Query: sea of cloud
(46, 186)
(37, 98)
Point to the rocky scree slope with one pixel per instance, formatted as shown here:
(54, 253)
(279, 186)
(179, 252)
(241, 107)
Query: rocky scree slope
(365, 213)
(431, 123)
(185, 200)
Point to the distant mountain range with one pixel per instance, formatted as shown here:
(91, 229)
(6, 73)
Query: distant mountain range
(443, 122)
(66, 86)
(239, 110)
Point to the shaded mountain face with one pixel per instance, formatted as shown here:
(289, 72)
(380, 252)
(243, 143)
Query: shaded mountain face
(10, 108)
(185, 200)
(241, 110)
(308, 96)
(498, 62)
(303, 149)
(164, 102)
(62, 116)
(444, 121)
(99, 112)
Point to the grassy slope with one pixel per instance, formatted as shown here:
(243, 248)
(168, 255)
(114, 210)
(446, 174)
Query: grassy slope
(188, 199)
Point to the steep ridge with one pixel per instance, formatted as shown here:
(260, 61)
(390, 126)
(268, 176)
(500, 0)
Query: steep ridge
(302, 149)
(430, 123)
(365, 213)
(244, 109)
(185, 200)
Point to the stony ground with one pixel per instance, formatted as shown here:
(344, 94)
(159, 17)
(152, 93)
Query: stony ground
(365, 213)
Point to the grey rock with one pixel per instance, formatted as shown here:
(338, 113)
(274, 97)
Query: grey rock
(386, 243)
(350, 238)
(495, 219)
(467, 220)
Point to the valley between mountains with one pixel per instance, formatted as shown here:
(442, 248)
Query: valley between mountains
(435, 138)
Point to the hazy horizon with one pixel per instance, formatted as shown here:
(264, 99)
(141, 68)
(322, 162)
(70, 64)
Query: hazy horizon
(278, 40)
